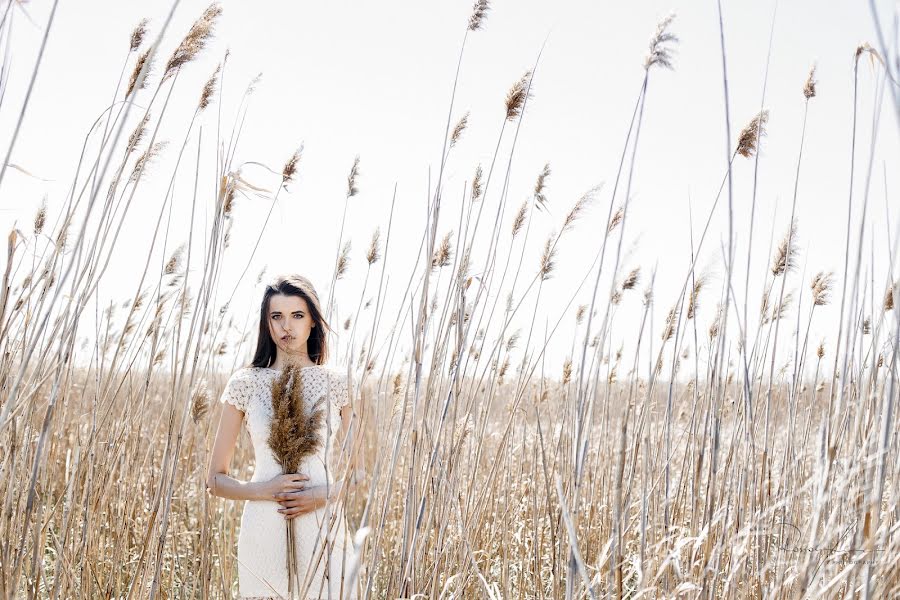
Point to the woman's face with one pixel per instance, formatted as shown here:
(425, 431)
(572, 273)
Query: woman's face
(290, 323)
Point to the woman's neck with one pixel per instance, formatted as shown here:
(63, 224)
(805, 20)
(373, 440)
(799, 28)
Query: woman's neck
(283, 359)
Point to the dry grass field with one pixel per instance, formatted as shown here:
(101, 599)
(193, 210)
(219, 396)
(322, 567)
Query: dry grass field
(712, 471)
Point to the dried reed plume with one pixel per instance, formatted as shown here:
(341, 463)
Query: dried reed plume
(867, 326)
(137, 36)
(615, 219)
(714, 327)
(479, 11)
(785, 255)
(519, 219)
(139, 66)
(669, 329)
(458, 129)
(476, 184)
(228, 200)
(294, 433)
(517, 95)
(194, 41)
(352, 190)
(547, 264)
(889, 298)
(290, 167)
(463, 267)
(199, 402)
(138, 134)
(867, 48)
(513, 340)
(174, 262)
(502, 371)
(578, 209)
(579, 313)
(749, 138)
(374, 251)
(145, 158)
(397, 384)
(660, 55)
(693, 303)
(49, 280)
(821, 288)
(567, 372)
(632, 279)
(139, 300)
(539, 197)
(40, 218)
(612, 376)
(343, 260)
(443, 253)
(63, 235)
(251, 87)
(209, 89)
(764, 305)
(779, 312)
(809, 88)
(820, 351)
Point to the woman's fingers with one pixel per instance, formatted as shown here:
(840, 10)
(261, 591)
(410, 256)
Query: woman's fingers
(298, 477)
(288, 495)
(294, 511)
(292, 492)
(291, 501)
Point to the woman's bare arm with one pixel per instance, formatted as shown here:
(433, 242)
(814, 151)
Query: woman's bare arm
(219, 483)
(350, 443)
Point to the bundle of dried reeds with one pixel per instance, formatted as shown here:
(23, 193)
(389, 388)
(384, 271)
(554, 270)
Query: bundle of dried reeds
(294, 436)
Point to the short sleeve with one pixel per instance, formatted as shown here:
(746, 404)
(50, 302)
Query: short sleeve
(237, 391)
(340, 393)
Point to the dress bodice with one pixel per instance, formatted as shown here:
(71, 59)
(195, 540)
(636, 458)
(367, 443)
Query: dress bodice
(249, 389)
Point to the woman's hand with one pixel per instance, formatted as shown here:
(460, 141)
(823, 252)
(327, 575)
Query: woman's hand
(284, 484)
(300, 502)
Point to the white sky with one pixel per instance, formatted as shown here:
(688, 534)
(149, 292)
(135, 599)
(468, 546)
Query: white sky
(374, 79)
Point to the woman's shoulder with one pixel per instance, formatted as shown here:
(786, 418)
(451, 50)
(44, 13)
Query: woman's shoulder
(339, 390)
(334, 373)
(250, 380)
(243, 386)
(250, 374)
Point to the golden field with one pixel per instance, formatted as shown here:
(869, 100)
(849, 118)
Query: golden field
(711, 470)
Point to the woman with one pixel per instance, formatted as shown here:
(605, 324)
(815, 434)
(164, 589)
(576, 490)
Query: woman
(292, 331)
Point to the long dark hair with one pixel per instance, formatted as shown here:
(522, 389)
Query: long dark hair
(316, 345)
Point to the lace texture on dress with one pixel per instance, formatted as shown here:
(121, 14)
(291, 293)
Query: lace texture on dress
(244, 385)
(340, 393)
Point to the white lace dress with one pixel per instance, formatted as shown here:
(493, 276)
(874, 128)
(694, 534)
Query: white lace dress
(323, 542)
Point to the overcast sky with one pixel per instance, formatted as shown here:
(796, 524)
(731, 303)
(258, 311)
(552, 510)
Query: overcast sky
(374, 79)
